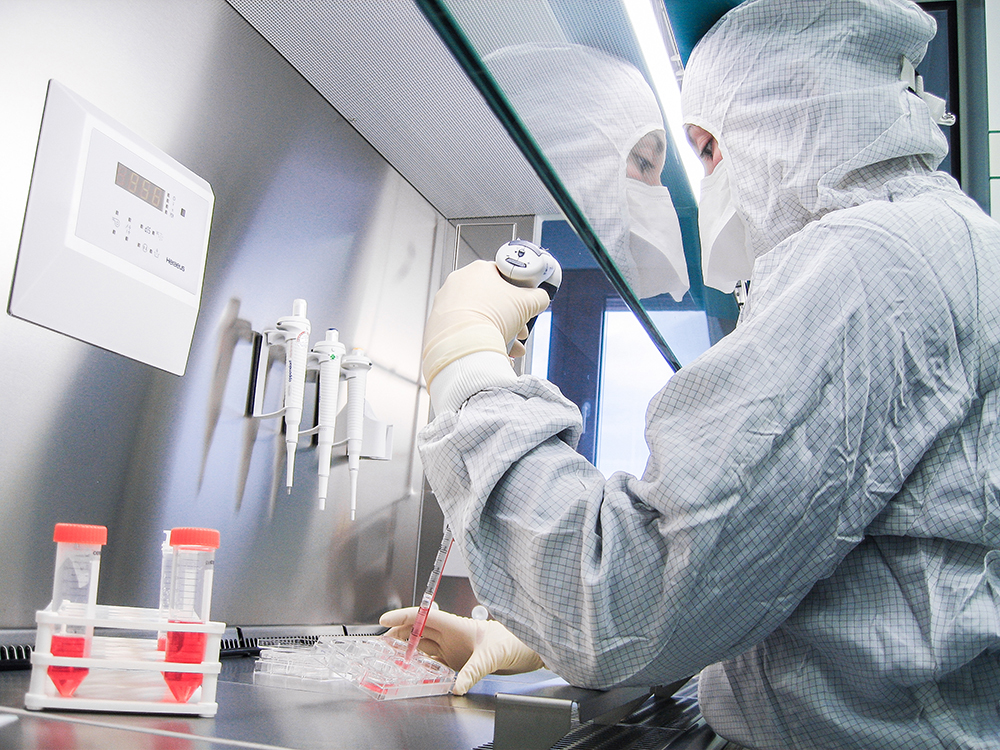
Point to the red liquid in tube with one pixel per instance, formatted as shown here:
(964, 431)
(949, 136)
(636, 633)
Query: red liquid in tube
(192, 568)
(184, 648)
(74, 592)
(68, 679)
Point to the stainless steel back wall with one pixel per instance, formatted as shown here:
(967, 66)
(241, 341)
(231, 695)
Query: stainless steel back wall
(304, 208)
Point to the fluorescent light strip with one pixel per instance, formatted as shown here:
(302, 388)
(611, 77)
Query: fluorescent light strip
(647, 31)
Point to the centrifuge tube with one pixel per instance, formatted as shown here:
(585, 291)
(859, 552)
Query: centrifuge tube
(74, 592)
(166, 570)
(192, 569)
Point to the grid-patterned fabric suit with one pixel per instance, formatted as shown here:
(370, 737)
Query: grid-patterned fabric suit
(818, 524)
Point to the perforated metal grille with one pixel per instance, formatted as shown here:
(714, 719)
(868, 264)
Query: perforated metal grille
(385, 70)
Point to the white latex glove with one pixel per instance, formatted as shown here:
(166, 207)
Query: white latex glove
(476, 310)
(474, 648)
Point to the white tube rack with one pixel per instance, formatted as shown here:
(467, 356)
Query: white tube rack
(126, 673)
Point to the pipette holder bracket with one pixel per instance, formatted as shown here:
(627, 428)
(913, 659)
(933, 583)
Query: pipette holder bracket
(125, 672)
(377, 442)
(263, 342)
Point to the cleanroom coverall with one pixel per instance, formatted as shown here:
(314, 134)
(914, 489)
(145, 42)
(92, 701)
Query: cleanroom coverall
(819, 518)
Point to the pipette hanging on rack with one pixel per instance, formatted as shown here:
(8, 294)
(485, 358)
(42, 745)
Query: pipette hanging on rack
(356, 366)
(296, 329)
(362, 434)
(330, 353)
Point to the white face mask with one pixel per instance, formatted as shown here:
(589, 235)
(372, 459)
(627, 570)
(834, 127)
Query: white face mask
(725, 259)
(655, 243)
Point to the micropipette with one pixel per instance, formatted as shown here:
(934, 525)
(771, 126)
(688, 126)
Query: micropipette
(296, 329)
(330, 353)
(417, 631)
(355, 368)
(523, 264)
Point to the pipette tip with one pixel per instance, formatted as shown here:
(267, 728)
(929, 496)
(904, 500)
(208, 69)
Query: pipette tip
(411, 649)
(322, 489)
(354, 491)
(289, 464)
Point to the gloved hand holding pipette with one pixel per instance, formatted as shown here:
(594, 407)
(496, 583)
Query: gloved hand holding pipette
(480, 317)
(477, 310)
(474, 648)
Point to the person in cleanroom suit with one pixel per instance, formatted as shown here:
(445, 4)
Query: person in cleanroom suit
(817, 528)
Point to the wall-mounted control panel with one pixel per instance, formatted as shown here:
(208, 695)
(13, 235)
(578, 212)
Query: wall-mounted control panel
(115, 237)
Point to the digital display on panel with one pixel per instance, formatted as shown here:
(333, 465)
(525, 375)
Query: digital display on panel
(140, 187)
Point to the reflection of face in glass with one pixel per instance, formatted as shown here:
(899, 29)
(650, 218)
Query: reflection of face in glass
(646, 159)
(598, 124)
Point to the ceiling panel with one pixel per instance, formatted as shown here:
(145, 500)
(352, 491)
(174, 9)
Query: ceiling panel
(384, 69)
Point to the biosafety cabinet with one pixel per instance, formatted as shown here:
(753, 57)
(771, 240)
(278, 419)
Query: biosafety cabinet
(349, 155)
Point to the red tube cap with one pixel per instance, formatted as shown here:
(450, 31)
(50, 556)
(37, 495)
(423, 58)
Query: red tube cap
(193, 537)
(80, 533)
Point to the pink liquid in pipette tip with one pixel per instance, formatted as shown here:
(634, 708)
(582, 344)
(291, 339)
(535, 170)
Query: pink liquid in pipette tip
(68, 679)
(184, 648)
(416, 632)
